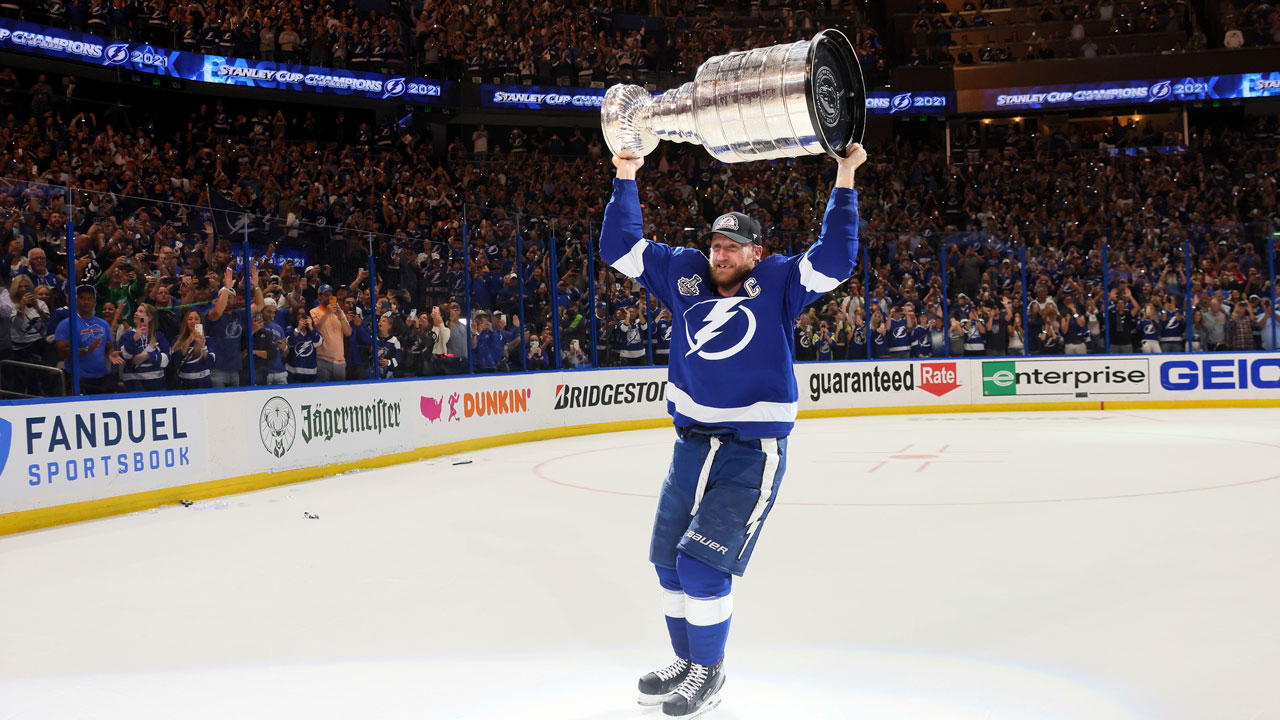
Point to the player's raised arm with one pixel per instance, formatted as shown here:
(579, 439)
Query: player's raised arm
(622, 244)
(830, 260)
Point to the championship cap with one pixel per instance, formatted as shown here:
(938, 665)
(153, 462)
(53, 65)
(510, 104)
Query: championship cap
(737, 227)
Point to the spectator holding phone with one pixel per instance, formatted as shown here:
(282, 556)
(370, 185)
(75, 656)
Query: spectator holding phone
(190, 352)
(266, 353)
(334, 326)
(1076, 334)
(823, 341)
(997, 320)
(1240, 328)
(486, 344)
(1017, 339)
(857, 336)
(1173, 328)
(1215, 325)
(389, 348)
(440, 343)
(300, 349)
(537, 357)
(879, 334)
(359, 351)
(145, 351)
(1122, 310)
(1149, 326)
(899, 339)
(1270, 328)
(975, 330)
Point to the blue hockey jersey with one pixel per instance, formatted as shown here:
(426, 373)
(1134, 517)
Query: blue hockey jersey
(731, 357)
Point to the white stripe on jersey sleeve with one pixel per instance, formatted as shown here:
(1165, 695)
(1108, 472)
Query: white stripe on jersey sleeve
(755, 412)
(814, 281)
(632, 264)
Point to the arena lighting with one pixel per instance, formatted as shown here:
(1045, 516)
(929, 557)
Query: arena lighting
(1017, 119)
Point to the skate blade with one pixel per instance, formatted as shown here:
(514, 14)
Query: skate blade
(707, 707)
(652, 700)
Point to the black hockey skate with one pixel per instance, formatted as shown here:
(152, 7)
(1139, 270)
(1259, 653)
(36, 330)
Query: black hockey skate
(698, 694)
(657, 686)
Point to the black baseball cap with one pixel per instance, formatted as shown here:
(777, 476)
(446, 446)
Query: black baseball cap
(737, 227)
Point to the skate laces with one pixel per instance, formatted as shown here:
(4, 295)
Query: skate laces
(673, 670)
(693, 683)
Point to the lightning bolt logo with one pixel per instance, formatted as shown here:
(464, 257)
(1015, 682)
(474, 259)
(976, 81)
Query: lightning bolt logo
(722, 311)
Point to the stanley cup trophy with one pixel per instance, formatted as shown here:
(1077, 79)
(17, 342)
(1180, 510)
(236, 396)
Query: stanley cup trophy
(792, 100)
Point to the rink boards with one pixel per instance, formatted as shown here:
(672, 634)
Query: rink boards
(71, 460)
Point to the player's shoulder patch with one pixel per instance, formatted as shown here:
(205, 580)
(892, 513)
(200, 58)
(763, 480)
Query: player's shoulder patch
(690, 285)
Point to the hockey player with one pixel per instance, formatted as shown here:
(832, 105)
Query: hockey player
(732, 392)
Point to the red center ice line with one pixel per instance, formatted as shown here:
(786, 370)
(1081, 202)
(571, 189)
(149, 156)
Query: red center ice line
(927, 458)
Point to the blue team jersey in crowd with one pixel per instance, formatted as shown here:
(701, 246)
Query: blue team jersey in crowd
(150, 373)
(226, 339)
(275, 360)
(899, 338)
(1173, 329)
(302, 352)
(731, 357)
(858, 344)
(194, 366)
(921, 343)
(661, 337)
(1150, 329)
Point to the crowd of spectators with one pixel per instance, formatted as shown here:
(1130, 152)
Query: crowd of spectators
(1250, 23)
(971, 32)
(167, 299)
(528, 41)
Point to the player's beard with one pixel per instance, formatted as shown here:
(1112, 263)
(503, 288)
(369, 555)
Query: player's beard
(731, 278)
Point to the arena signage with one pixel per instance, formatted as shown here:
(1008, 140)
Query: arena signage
(574, 395)
(935, 378)
(539, 97)
(24, 37)
(1125, 92)
(910, 103)
(279, 425)
(1074, 378)
(100, 448)
(1262, 373)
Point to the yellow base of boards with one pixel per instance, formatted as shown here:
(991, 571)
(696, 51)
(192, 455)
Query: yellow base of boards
(93, 509)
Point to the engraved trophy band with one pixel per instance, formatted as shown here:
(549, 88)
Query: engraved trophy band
(792, 100)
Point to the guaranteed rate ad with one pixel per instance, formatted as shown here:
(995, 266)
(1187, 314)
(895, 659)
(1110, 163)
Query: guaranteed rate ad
(62, 44)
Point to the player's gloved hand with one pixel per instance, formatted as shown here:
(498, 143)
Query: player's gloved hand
(627, 165)
(855, 155)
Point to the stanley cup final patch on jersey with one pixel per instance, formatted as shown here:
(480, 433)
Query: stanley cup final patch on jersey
(728, 222)
(689, 285)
